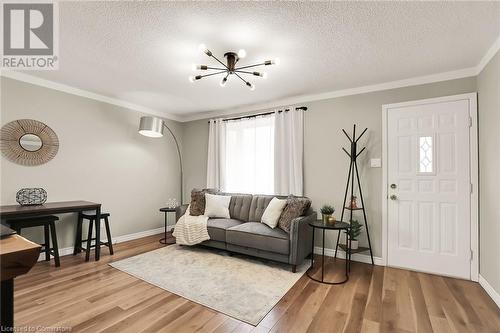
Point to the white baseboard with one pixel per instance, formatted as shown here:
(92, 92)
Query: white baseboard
(119, 239)
(495, 296)
(360, 257)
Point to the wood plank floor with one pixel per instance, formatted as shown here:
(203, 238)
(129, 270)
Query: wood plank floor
(94, 297)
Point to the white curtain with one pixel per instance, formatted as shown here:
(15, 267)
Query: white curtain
(289, 152)
(216, 154)
(250, 155)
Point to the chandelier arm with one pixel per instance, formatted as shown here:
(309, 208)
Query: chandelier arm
(243, 67)
(224, 71)
(242, 79)
(245, 72)
(217, 68)
(220, 62)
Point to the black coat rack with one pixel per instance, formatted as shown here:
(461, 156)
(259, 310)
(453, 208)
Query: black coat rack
(353, 168)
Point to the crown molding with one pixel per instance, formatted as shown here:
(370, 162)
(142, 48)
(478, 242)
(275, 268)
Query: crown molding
(492, 51)
(85, 93)
(445, 76)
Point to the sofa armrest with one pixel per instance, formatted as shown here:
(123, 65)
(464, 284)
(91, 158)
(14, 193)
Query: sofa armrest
(179, 211)
(301, 238)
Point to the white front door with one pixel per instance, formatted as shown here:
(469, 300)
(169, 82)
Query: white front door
(429, 188)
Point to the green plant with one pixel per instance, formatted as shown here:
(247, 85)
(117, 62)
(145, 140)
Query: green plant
(327, 210)
(355, 230)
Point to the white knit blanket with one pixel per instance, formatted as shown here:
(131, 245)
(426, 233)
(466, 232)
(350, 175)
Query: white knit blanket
(191, 230)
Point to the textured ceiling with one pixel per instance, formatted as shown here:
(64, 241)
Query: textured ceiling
(142, 52)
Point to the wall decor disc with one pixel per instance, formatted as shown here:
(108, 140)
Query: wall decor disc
(28, 142)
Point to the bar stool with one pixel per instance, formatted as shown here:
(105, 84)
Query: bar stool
(79, 241)
(48, 223)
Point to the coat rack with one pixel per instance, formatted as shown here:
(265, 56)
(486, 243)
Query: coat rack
(353, 168)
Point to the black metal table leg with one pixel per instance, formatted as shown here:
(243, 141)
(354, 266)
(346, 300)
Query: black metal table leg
(339, 226)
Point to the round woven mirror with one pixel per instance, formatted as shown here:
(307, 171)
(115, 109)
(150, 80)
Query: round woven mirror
(28, 142)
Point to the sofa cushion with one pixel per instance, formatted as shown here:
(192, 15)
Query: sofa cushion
(217, 228)
(259, 236)
(296, 206)
(197, 206)
(239, 207)
(258, 206)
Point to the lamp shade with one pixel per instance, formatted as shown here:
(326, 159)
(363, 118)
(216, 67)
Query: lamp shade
(151, 126)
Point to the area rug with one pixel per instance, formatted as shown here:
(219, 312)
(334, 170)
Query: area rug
(239, 286)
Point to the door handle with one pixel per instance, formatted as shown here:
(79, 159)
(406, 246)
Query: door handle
(393, 197)
(393, 186)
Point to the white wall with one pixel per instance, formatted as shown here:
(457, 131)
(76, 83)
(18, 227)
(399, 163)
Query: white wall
(488, 86)
(101, 158)
(326, 165)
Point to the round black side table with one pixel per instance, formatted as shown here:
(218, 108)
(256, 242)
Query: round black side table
(319, 224)
(165, 240)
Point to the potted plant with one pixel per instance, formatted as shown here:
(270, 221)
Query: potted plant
(354, 232)
(327, 213)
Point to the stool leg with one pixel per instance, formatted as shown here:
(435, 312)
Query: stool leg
(55, 247)
(46, 242)
(108, 234)
(78, 238)
(89, 240)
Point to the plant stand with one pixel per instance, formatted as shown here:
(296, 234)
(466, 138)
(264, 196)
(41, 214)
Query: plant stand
(351, 182)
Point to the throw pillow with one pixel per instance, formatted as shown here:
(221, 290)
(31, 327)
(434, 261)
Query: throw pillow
(273, 211)
(295, 207)
(197, 206)
(217, 205)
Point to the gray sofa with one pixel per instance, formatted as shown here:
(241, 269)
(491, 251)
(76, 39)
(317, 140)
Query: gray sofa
(244, 233)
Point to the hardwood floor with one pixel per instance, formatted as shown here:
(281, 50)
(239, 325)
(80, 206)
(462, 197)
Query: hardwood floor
(94, 297)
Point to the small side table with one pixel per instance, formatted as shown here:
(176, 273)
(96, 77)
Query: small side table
(165, 240)
(319, 224)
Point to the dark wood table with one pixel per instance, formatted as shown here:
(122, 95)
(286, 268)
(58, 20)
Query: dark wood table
(17, 256)
(52, 208)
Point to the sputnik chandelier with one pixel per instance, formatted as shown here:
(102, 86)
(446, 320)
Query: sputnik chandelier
(229, 68)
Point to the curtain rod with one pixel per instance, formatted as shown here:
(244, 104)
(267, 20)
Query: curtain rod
(262, 114)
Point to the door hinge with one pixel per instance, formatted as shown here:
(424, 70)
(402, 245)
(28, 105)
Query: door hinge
(471, 255)
(470, 121)
(471, 188)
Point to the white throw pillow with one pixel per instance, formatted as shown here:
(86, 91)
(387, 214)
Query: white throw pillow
(217, 205)
(273, 212)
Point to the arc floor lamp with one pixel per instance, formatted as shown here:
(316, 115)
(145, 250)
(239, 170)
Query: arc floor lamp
(153, 127)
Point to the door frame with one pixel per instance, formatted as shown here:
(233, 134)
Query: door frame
(474, 174)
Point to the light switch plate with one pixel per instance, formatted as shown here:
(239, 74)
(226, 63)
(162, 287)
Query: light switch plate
(375, 163)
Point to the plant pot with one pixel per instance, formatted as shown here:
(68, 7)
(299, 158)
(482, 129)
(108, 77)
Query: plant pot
(326, 218)
(354, 244)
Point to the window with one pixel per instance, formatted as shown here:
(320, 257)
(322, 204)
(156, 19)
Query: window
(425, 157)
(250, 155)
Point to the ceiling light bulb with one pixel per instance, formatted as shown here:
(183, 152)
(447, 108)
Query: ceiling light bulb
(264, 75)
(194, 67)
(251, 86)
(202, 48)
(242, 53)
(223, 82)
(191, 78)
(276, 61)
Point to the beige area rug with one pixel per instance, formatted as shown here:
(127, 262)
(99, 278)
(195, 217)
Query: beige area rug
(238, 286)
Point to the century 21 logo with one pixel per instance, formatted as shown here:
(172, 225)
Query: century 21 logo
(28, 29)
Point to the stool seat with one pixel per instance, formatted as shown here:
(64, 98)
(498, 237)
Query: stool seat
(93, 216)
(49, 228)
